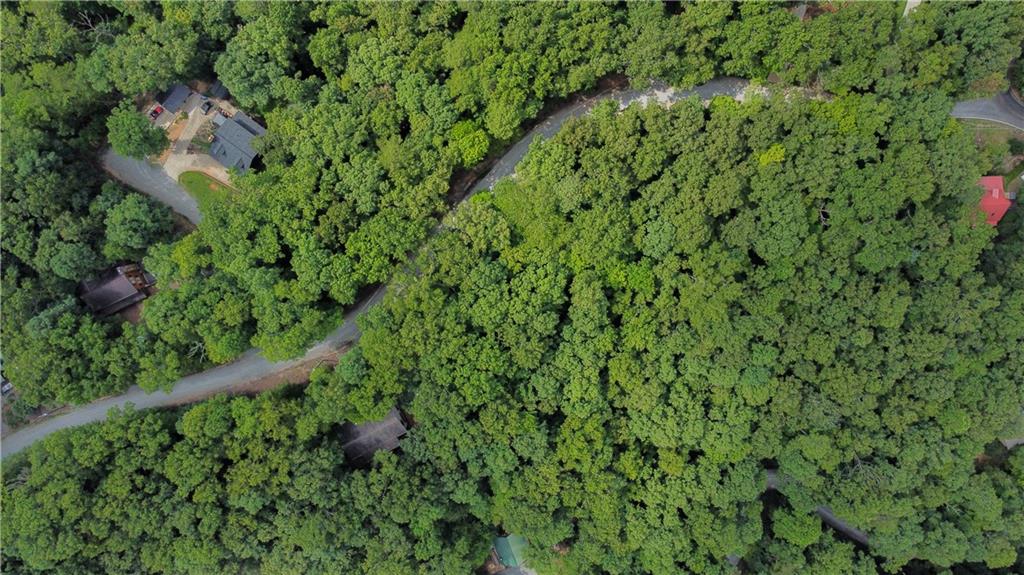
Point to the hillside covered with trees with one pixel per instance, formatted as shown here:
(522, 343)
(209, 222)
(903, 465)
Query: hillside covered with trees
(604, 355)
(373, 109)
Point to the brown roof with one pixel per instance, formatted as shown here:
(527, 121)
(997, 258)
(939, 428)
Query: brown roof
(115, 290)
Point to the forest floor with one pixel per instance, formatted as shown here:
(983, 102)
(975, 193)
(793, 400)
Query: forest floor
(295, 375)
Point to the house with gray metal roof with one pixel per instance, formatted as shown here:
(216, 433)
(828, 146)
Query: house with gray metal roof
(232, 142)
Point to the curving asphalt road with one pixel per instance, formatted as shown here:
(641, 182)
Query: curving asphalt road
(251, 366)
(823, 511)
(659, 92)
(1001, 108)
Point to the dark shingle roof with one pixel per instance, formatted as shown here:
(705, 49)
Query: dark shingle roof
(232, 142)
(174, 98)
(110, 293)
(361, 441)
(249, 124)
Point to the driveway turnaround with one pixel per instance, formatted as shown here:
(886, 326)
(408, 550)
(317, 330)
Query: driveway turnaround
(152, 181)
(1001, 108)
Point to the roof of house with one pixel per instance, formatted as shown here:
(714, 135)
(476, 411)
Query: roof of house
(249, 124)
(217, 90)
(110, 293)
(232, 142)
(175, 97)
(994, 201)
(361, 441)
(510, 550)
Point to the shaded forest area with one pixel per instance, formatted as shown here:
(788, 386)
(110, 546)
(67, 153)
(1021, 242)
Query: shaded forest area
(603, 355)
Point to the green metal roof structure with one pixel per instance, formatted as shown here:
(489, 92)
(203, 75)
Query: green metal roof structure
(510, 550)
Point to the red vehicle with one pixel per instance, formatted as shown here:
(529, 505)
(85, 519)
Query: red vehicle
(155, 112)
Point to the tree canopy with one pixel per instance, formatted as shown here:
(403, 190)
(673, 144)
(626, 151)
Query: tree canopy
(662, 300)
(604, 355)
(371, 108)
(131, 134)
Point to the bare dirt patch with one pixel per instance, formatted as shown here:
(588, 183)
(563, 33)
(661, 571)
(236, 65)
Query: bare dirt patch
(132, 314)
(173, 133)
(295, 375)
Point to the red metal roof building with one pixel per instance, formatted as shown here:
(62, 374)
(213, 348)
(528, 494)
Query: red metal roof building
(994, 203)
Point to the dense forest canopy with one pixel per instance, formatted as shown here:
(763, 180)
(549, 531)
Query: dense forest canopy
(604, 354)
(371, 108)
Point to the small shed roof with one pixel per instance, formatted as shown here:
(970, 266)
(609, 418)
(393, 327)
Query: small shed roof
(361, 441)
(994, 201)
(510, 549)
(175, 97)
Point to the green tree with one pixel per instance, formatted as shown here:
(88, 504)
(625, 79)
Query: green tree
(131, 134)
(133, 225)
(470, 142)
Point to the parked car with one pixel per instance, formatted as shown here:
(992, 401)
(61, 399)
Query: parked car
(7, 388)
(155, 112)
(206, 107)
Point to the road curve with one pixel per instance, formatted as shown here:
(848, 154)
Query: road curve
(1001, 108)
(660, 92)
(251, 366)
(823, 511)
(152, 181)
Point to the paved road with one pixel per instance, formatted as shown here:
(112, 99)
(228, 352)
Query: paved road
(155, 182)
(251, 366)
(659, 92)
(152, 181)
(1001, 108)
(829, 518)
